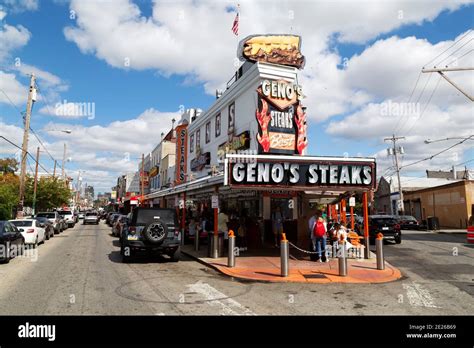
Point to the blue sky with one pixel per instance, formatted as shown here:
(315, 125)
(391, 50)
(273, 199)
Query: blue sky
(122, 94)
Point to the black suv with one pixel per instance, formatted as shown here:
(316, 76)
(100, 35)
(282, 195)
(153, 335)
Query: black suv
(387, 225)
(152, 230)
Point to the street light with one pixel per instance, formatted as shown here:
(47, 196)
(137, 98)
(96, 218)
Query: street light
(429, 141)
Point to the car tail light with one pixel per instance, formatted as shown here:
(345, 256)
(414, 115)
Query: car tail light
(397, 227)
(30, 230)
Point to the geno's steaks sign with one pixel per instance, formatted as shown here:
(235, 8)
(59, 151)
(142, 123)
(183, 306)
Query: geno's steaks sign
(301, 173)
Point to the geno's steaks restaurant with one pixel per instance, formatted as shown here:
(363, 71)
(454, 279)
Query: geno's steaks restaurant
(247, 156)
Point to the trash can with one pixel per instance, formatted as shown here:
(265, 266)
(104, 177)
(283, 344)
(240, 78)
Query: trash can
(210, 244)
(433, 223)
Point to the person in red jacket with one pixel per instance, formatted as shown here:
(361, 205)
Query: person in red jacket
(318, 229)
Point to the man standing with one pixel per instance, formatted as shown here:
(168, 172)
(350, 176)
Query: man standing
(318, 232)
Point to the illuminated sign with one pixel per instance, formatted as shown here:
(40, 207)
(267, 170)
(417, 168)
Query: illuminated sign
(181, 149)
(281, 119)
(301, 173)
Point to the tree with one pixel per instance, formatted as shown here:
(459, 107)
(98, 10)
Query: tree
(8, 165)
(50, 193)
(9, 191)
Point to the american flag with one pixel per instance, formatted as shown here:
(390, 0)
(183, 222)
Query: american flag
(235, 26)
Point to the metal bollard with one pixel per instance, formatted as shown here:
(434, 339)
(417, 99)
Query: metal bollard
(230, 251)
(342, 261)
(215, 246)
(196, 240)
(285, 255)
(334, 249)
(379, 251)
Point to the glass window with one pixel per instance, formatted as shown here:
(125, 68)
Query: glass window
(191, 143)
(218, 125)
(198, 139)
(22, 223)
(208, 132)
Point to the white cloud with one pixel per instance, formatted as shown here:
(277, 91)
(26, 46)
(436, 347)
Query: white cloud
(21, 5)
(12, 38)
(10, 86)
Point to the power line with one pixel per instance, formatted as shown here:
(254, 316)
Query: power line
(454, 52)
(457, 59)
(454, 43)
(436, 154)
(19, 147)
(426, 106)
(409, 99)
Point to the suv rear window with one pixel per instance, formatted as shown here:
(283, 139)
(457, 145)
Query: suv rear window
(145, 216)
(64, 213)
(91, 214)
(381, 221)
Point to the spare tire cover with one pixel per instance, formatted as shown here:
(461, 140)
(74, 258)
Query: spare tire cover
(155, 232)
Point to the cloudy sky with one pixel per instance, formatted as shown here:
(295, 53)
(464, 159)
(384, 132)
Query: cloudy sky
(138, 63)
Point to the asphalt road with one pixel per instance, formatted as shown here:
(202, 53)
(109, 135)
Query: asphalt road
(79, 272)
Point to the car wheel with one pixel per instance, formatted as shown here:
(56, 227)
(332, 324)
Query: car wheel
(398, 239)
(46, 235)
(176, 256)
(36, 243)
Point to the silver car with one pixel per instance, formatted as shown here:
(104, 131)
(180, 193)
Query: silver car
(91, 218)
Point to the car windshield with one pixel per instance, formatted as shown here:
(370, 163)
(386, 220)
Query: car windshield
(22, 223)
(91, 214)
(64, 213)
(46, 215)
(408, 218)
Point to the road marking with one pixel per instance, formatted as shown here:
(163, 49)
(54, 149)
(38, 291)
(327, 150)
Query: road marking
(215, 298)
(419, 296)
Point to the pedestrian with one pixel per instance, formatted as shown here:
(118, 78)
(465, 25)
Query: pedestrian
(277, 219)
(192, 228)
(318, 229)
(222, 220)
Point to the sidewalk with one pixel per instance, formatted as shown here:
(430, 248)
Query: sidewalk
(267, 269)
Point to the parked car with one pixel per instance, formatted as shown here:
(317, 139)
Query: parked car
(118, 225)
(62, 222)
(151, 230)
(91, 218)
(408, 222)
(387, 225)
(68, 217)
(11, 241)
(110, 219)
(31, 231)
(54, 218)
(114, 219)
(81, 215)
(47, 225)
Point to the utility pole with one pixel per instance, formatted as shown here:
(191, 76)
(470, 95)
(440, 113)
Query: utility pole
(78, 195)
(441, 72)
(54, 172)
(142, 180)
(24, 153)
(395, 151)
(36, 180)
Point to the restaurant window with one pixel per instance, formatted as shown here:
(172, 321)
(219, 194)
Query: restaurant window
(191, 143)
(198, 139)
(231, 118)
(208, 132)
(218, 125)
